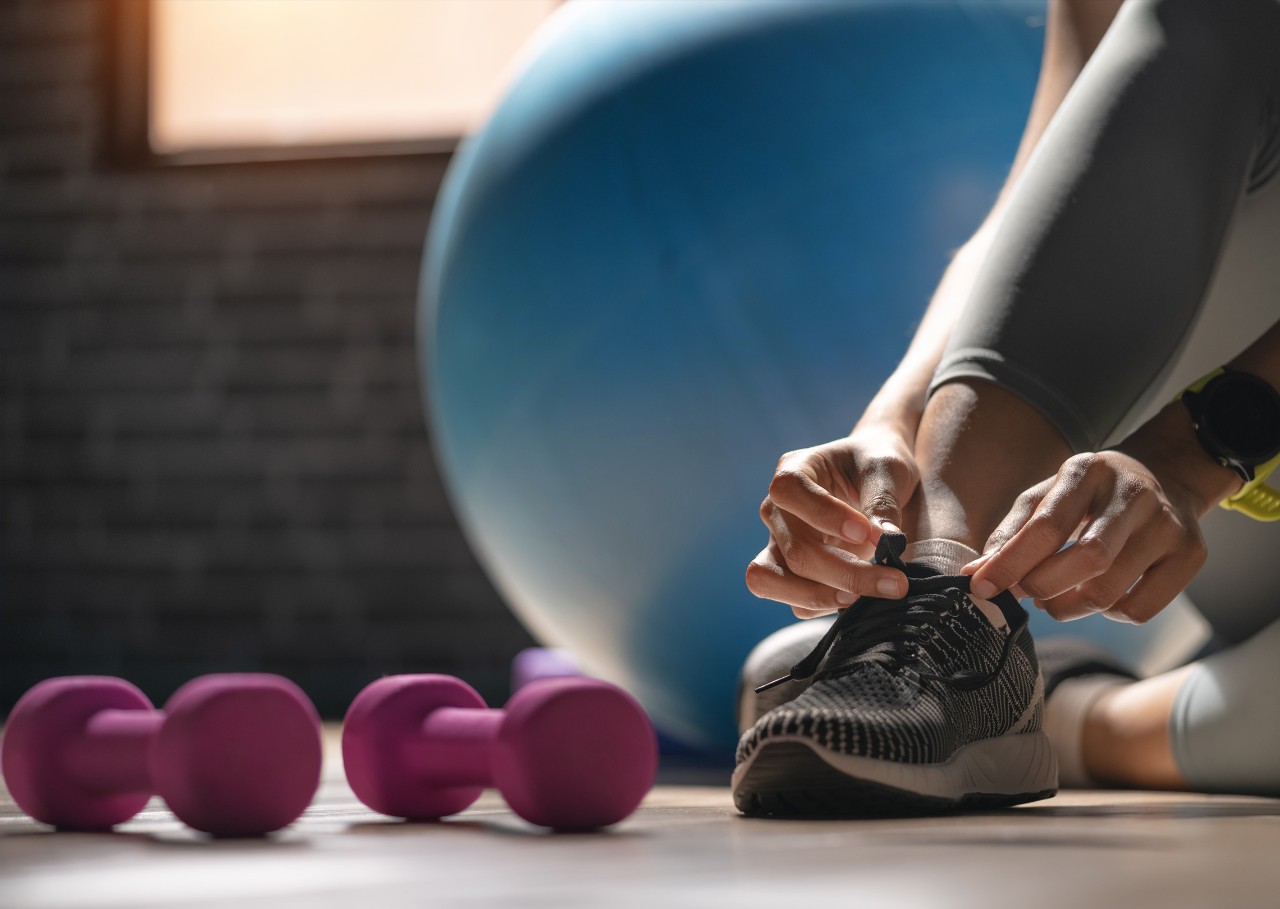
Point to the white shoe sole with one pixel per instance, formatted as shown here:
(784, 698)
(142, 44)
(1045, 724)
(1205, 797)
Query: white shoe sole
(788, 775)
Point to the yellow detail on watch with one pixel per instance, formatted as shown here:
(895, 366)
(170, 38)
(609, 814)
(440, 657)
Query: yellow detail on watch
(1255, 499)
(1200, 383)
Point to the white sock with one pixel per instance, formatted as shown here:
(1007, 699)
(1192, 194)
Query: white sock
(948, 557)
(1064, 714)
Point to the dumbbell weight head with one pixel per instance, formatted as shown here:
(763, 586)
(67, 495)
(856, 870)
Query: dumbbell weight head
(44, 722)
(239, 755)
(574, 753)
(233, 755)
(378, 734)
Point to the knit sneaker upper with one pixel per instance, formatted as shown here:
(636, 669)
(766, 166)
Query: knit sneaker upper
(912, 680)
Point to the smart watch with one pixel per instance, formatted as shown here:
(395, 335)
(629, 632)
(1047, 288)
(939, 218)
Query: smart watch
(1237, 421)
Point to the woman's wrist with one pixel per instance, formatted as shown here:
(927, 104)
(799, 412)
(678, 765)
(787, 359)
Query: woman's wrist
(1167, 445)
(899, 405)
(896, 407)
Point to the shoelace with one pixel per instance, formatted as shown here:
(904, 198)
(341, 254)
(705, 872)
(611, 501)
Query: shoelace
(892, 631)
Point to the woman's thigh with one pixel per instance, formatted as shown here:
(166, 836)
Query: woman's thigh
(1141, 250)
(1238, 590)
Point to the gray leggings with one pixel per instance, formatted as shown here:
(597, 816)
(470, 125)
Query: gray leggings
(1140, 250)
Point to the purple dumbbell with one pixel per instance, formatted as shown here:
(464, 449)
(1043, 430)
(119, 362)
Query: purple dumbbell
(564, 753)
(232, 755)
(534, 664)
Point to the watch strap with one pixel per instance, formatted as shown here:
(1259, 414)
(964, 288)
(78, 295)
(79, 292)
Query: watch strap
(1256, 499)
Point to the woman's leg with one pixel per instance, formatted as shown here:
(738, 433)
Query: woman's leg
(1098, 270)
(1202, 726)
(1205, 726)
(1211, 726)
(1083, 317)
(978, 446)
(1113, 233)
(1224, 729)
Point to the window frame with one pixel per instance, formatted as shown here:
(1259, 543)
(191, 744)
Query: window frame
(128, 111)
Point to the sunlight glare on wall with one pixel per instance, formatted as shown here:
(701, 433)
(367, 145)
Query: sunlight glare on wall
(250, 73)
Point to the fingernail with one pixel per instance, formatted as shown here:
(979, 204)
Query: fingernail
(889, 587)
(844, 598)
(984, 589)
(854, 531)
(890, 527)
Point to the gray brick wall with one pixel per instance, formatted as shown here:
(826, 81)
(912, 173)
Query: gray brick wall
(212, 449)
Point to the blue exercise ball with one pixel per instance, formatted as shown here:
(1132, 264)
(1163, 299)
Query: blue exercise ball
(693, 236)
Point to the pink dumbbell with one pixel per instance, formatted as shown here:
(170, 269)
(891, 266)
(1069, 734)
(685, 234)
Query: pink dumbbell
(232, 755)
(565, 753)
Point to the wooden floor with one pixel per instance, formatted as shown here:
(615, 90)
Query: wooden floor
(687, 847)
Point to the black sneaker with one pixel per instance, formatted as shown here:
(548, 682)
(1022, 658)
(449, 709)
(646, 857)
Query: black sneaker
(915, 706)
(769, 659)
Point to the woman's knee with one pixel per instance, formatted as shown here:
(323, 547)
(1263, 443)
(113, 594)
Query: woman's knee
(1225, 731)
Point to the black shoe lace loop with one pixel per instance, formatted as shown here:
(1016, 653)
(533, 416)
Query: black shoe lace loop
(892, 632)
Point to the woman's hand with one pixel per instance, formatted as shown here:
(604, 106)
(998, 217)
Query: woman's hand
(824, 512)
(1134, 513)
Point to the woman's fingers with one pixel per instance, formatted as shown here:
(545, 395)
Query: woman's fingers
(819, 513)
(1135, 549)
(1139, 601)
(1102, 591)
(1043, 519)
(769, 578)
(796, 490)
(882, 484)
(1102, 549)
(807, 556)
(1157, 588)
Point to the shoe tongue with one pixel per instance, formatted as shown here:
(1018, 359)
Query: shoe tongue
(943, 556)
(948, 557)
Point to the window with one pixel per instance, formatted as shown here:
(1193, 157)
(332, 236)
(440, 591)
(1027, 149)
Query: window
(288, 78)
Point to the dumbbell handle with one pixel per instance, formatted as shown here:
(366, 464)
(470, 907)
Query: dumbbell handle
(456, 746)
(111, 754)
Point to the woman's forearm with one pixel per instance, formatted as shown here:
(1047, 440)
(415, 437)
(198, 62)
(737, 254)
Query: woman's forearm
(901, 399)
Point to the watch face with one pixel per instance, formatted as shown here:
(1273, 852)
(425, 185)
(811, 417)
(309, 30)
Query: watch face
(1242, 414)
